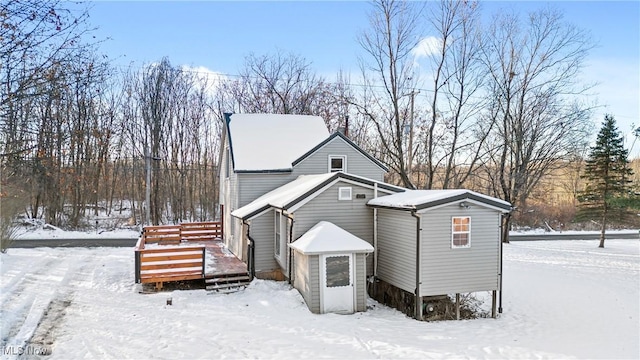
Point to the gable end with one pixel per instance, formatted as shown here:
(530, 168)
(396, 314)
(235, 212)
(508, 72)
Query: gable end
(465, 196)
(349, 142)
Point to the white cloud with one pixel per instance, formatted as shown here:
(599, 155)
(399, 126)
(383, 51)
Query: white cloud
(211, 79)
(426, 47)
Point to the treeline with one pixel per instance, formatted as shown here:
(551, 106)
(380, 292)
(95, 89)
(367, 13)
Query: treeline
(493, 107)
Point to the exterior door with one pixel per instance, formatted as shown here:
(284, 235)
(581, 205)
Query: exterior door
(337, 284)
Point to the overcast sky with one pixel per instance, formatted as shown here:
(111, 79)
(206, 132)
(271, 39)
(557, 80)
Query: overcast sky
(217, 35)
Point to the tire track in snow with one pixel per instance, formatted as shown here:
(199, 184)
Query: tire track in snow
(23, 278)
(28, 313)
(16, 302)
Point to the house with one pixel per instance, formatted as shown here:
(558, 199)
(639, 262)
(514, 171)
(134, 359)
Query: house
(262, 152)
(436, 242)
(311, 207)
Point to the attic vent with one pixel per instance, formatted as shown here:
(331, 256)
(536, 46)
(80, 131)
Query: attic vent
(344, 193)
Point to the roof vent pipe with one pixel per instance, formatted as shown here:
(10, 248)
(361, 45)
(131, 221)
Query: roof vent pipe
(346, 126)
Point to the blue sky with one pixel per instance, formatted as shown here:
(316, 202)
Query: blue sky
(218, 35)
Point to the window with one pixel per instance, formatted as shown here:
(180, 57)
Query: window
(460, 232)
(229, 167)
(338, 273)
(277, 233)
(344, 193)
(337, 163)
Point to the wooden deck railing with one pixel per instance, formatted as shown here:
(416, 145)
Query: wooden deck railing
(173, 263)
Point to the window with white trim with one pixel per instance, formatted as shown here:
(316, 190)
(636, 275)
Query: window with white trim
(337, 163)
(344, 193)
(460, 231)
(278, 231)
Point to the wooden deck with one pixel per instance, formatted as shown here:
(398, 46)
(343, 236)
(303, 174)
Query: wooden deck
(191, 251)
(223, 262)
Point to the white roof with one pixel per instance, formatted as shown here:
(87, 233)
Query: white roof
(284, 194)
(326, 237)
(273, 141)
(412, 199)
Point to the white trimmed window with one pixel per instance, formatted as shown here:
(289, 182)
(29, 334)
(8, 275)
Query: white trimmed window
(460, 232)
(337, 163)
(229, 168)
(278, 233)
(344, 193)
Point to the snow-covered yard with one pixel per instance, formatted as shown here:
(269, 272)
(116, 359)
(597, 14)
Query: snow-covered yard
(562, 299)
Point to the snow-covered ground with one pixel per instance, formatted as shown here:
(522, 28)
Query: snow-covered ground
(562, 299)
(51, 232)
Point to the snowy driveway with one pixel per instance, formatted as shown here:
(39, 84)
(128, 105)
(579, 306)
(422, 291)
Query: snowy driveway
(562, 299)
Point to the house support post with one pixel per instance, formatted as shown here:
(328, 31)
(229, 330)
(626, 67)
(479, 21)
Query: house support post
(493, 304)
(418, 300)
(500, 270)
(457, 306)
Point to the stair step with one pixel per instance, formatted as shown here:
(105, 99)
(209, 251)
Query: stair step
(227, 287)
(228, 279)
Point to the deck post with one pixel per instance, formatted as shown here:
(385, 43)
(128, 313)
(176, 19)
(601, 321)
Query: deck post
(204, 254)
(457, 306)
(137, 261)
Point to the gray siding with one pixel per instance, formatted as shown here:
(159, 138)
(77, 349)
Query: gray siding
(302, 274)
(357, 164)
(351, 215)
(252, 186)
(262, 233)
(228, 194)
(314, 283)
(361, 282)
(397, 248)
(244, 189)
(446, 270)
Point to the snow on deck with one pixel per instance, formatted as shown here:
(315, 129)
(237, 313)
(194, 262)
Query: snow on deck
(273, 141)
(325, 237)
(562, 299)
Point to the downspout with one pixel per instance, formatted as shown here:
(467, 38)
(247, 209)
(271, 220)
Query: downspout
(251, 261)
(501, 256)
(418, 300)
(289, 241)
(375, 235)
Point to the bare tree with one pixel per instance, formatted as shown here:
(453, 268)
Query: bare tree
(454, 132)
(533, 69)
(35, 37)
(170, 118)
(388, 79)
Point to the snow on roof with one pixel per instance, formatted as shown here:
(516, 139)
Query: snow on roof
(283, 195)
(288, 194)
(417, 199)
(273, 141)
(326, 237)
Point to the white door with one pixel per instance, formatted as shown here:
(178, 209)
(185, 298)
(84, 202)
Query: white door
(336, 278)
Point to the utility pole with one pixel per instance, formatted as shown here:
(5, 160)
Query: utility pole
(410, 147)
(147, 198)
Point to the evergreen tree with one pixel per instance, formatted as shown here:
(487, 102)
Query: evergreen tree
(607, 176)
